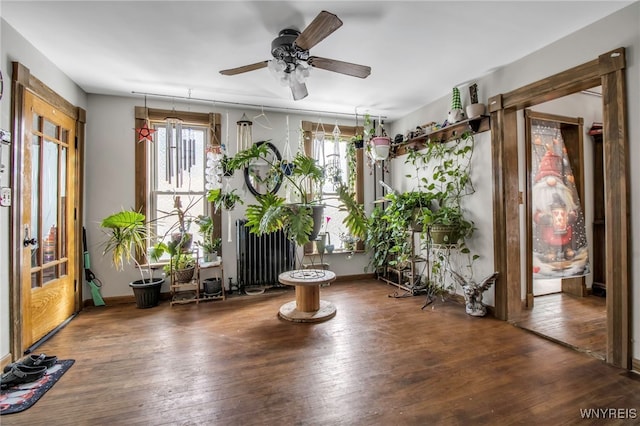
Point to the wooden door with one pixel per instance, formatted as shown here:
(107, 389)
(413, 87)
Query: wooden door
(48, 191)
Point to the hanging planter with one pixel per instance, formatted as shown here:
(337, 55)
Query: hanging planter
(287, 168)
(380, 146)
(358, 142)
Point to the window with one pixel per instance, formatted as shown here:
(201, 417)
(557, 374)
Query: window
(172, 168)
(334, 157)
(177, 175)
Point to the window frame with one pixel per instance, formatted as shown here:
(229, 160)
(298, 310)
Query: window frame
(211, 121)
(346, 132)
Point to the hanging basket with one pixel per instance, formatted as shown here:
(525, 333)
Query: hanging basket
(380, 146)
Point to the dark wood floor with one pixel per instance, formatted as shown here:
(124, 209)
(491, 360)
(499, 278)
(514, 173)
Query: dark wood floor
(379, 361)
(578, 322)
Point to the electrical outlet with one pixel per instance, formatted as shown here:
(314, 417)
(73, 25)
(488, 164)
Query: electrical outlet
(5, 196)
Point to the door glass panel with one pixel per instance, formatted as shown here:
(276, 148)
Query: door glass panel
(63, 203)
(35, 279)
(36, 123)
(50, 129)
(49, 196)
(49, 274)
(34, 230)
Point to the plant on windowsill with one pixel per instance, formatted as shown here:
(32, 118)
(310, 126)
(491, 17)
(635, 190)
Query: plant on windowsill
(209, 244)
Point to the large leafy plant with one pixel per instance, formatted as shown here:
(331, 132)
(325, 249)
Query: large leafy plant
(272, 212)
(127, 236)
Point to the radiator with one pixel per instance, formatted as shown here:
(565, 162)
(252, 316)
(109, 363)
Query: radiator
(260, 259)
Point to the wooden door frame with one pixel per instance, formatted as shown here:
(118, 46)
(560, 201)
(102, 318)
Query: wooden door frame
(608, 71)
(21, 82)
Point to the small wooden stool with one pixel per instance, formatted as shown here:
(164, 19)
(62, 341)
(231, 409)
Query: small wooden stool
(307, 307)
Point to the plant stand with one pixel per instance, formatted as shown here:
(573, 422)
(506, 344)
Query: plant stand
(406, 277)
(185, 289)
(194, 289)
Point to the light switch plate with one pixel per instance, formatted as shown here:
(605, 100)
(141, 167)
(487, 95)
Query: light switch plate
(5, 196)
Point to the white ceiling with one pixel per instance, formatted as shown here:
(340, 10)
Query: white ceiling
(417, 50)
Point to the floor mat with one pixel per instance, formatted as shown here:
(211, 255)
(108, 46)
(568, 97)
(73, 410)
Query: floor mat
(21, 397)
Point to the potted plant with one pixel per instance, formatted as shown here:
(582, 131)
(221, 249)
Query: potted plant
(387, 231)
(474, 109)
(181, 265)
(127, 236)
(379, 143)
(222, 199)
(209, 244)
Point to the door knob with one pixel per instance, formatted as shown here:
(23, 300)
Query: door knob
(28, 241)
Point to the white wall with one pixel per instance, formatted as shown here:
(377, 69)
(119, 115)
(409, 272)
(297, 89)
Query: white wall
(110, 177)
(13, 47)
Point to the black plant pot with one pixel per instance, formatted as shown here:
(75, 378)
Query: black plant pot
(212, 286)
(147, 292)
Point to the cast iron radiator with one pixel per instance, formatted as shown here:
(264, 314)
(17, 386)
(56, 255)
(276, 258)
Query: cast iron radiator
(262, 258)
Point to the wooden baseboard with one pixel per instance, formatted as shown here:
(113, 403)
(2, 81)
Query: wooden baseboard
(121, 300)
(357, 277)
(635, 365)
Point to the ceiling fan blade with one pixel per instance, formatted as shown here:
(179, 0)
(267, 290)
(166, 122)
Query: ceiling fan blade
(341, 67)
(299, 91)
(245, 68)
(323, 25)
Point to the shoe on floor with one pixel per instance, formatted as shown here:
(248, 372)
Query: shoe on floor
(19, 374)
(34, 360)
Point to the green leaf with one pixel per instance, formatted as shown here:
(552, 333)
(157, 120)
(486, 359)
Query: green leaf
(299, 224)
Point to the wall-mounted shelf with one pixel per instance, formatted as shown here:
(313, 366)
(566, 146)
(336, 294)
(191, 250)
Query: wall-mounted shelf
(453, 131)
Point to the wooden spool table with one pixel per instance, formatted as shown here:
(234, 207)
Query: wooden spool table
(307, 307)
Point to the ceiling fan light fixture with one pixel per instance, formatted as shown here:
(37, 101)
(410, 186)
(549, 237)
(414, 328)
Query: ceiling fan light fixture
(299, 91)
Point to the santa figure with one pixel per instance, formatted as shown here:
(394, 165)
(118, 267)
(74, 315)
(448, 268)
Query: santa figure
(554, 210)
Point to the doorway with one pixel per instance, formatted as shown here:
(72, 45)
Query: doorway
(607, 71)
(560, 224)
(45, 237)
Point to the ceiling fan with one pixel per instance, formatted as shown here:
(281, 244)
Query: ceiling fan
(290, 51)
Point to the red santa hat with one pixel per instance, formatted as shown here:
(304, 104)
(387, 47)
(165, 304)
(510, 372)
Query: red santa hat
(550, 165)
